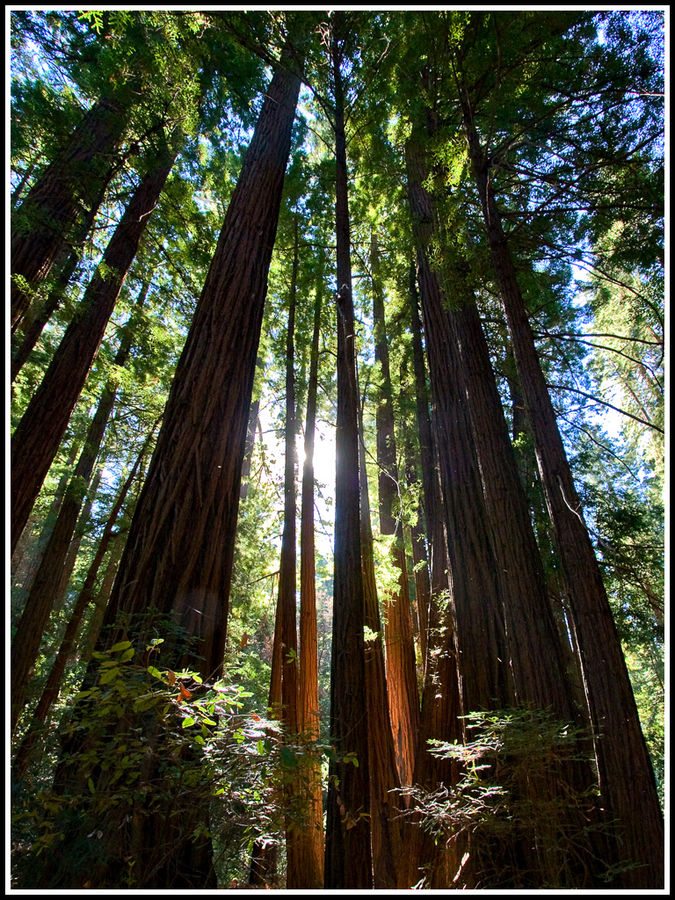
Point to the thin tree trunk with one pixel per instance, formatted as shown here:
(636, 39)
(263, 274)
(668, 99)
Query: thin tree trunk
(51, 207)
(52, 687)
(311, 844)
(348, 853)
(41, 429)
(287, 591)
(630, 800)
(48, 582)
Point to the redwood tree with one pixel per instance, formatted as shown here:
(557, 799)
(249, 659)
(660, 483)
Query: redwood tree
(37, 437)
(348, 855)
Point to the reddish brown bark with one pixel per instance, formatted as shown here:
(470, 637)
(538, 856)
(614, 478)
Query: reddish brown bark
(311, 845)
(51, 690)
(39, 433)
(55, 566)
(630, 799)
(385, 803)
(399, 647)
(348, 854)
(52, 206)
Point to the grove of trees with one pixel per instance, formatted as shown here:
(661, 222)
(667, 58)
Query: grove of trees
(337, 449)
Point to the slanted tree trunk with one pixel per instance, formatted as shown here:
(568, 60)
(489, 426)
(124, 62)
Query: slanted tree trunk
(486, 678)
(48, 581)
(51, 209)
(35, 320)
(630, 801)
(41, 429)
(311, 843)
(178, 556)
(30, 549)
(348, 854)
(399, 647)
(50, 692)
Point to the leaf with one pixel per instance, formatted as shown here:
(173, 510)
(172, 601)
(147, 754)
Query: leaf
(122, 645)
(91, 785)
(288, 758)
(155, 672)
(109, 675)
(187, 721)
(127, 655)
(170, 676)
(184, 693)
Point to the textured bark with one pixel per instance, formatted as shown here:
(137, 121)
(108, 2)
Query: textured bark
(385, 803)
(348, 854)
(631, 800)
(51, 208)
(48, 584)
(311, 844)
(30, 549)
(179, 554)
(487, 681)
(86, 597)
(34, 322)
(399, 647)
(287, 592)
(39, 433)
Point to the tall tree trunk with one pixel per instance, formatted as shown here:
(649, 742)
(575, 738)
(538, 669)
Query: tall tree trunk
(632, 802)
(30, 549)
(399, 647)
(287, 591)
(179, 554)
(178, 557)
(348, 854)
(535, 653)
(51, 208)
(51, 690)
(39, 433)
(311, 844)
(486, 678)
(34, 322)
(385, 783)
(44, 592)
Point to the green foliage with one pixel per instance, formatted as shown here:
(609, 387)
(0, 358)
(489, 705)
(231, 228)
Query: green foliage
(190, 746)
(503, 799)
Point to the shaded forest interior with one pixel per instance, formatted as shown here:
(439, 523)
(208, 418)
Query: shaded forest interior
(337, 449)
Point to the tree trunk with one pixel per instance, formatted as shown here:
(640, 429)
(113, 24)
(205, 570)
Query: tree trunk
(311, 844)
(287, 591)
(48, 582)
(179, 554)
(34, 322)
(632, 802)
(52, 687)
(486, 678)
(385, 805)
(30, 549)
(51, 208)
(348, 854)
(39, 433)
(399, 647)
